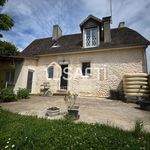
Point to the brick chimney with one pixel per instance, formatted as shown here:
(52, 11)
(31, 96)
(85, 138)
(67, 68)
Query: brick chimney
(57, 32)
(107, 30)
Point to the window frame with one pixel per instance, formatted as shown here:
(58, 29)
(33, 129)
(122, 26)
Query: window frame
(85, 37)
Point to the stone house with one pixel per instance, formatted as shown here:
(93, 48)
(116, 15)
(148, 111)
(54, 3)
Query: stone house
(90, 63)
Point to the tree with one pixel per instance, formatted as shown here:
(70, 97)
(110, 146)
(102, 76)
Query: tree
(2, 2)
(6, 23)
(7, 48)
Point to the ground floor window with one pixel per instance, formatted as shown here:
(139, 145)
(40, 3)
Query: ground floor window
(9, 79)
(50, 72)
(86, 68)
(10, 76)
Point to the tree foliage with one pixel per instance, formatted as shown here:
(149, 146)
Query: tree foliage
(6, 23)
(2, 2)
(7, 49)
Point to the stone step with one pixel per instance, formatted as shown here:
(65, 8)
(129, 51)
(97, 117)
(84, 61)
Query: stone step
(61, 92)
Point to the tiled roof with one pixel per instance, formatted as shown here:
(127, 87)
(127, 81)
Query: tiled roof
(121, 37)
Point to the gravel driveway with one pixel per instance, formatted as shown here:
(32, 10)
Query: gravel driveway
(92, 110)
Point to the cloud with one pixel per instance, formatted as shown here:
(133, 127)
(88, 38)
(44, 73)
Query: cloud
(34, 19)
(99, 8)
(135, 14)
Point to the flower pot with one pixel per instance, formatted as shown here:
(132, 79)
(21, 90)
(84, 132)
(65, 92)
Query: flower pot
(73, 112)
(53, 111)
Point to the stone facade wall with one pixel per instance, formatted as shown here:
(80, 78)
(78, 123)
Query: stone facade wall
(21, 74)
(112, 66)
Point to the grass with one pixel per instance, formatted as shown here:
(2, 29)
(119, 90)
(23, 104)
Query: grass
(29, 133)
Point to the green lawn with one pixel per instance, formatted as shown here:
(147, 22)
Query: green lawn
(30, 133)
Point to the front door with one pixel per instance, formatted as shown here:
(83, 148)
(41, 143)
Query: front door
(29, 80)
(64, 77)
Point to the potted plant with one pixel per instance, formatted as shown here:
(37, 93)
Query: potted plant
(73, 110)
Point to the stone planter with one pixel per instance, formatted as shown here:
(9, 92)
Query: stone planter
(53, 111)
(74, 112)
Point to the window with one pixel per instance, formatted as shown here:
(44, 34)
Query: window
(86, 68)
(50, 72)
(55, 45)
(91, 37)
(10, 76)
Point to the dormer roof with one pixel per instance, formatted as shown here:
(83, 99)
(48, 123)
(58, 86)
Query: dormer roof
(90, 17)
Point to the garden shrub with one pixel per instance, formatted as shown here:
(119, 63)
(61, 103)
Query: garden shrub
(23, 93)
(7, 95)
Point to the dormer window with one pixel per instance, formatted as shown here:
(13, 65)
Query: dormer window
(91, 31)
(91, 37)
(55, 45)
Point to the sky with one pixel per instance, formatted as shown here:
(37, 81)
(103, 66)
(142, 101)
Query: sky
(35, 18)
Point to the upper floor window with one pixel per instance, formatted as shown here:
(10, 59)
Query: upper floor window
(50, 72)
(91, 37)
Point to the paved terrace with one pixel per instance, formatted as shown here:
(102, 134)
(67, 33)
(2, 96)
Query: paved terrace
(92, 110)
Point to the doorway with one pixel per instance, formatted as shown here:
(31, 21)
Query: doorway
(64, 77)
(29, 80)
